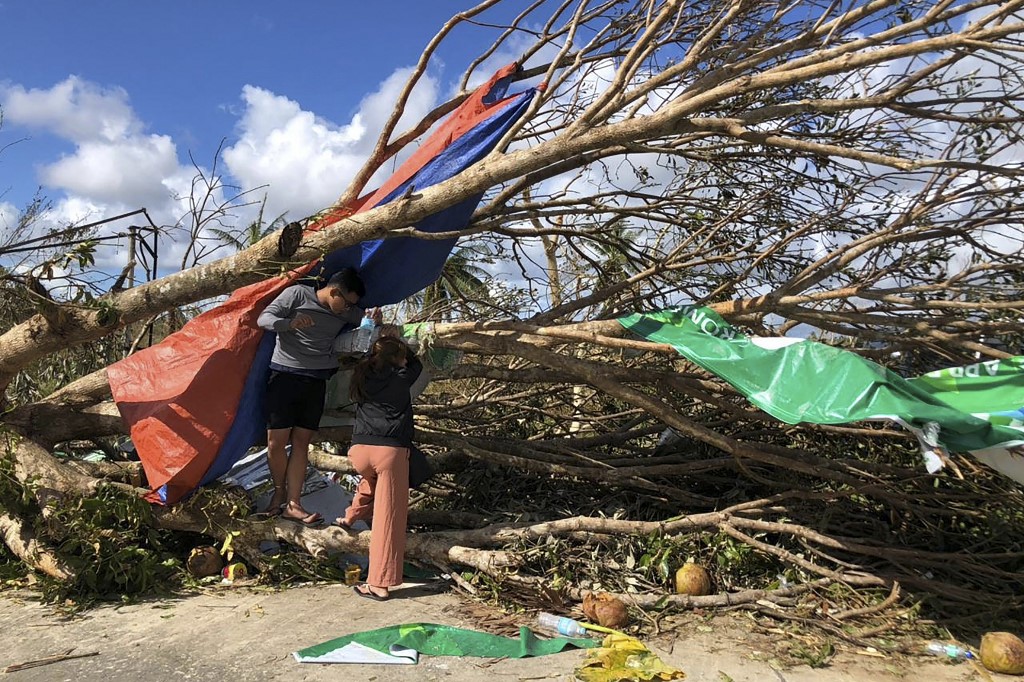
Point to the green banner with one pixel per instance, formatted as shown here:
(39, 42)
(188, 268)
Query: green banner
(975, 409)
(992, 390)
(402, 644)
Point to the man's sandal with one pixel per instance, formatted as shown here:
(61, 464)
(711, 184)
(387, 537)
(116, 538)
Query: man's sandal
(269, 513)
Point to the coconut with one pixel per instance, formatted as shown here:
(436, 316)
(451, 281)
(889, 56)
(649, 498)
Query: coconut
(607, 610)
(204, 561)
(693, 580)
(1002, 652)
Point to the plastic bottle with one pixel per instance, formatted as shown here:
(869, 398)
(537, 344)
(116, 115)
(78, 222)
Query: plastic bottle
(356, 340)
(561, 625)
(947, 650)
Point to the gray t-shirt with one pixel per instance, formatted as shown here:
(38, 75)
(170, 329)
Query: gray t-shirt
(312, 347)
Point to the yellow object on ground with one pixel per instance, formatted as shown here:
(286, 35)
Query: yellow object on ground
(353, 573)
(235, 571)
(621, 657)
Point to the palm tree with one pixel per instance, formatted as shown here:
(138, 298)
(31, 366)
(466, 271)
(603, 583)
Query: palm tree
(255, 231)
(460, 285)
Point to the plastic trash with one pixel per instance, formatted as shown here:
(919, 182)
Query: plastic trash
(353, 573)
(623, 658)
(561, 625)
(948, 650)
(356, 341)
(234, 571)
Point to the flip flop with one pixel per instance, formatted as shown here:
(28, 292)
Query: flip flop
(313, 519)
(368, 594)
(339, 523)
(270, 513)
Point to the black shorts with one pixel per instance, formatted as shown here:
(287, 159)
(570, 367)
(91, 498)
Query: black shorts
(294, 400)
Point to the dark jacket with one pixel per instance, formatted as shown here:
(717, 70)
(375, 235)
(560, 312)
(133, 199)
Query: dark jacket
(385, 418)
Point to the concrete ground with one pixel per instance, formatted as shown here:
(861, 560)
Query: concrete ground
(237, 634)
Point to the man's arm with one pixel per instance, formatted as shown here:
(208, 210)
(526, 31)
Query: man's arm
(277, 316)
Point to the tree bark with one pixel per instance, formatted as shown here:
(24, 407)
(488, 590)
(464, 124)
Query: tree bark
(24, 546)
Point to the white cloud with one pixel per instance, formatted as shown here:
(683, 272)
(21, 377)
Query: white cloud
(74, 109)
(75, 209)
(306, 161)
(114, 171)
(8, 216)
(377, 106)
(116, 165)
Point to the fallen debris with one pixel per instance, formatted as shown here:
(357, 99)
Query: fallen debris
(56, 658)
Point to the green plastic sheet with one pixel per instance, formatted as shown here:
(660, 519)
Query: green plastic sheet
(973, 409)
(402, 643)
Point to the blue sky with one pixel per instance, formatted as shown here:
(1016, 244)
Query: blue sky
(104, 102)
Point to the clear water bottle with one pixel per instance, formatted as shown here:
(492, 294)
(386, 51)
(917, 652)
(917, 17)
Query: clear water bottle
(947, 650)
(561, 625)
(356, 340)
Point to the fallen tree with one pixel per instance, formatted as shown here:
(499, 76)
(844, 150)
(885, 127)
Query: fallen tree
(770, 162)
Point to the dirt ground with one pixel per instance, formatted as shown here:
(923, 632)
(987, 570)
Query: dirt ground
(239, 634)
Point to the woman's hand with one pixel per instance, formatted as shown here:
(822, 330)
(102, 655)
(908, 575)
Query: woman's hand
(393, 330)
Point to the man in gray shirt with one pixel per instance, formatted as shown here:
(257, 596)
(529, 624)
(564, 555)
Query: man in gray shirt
(307, 321)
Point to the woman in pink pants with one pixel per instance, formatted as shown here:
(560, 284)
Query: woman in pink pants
(381, 439)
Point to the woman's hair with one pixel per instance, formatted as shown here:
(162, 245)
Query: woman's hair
(387, 351)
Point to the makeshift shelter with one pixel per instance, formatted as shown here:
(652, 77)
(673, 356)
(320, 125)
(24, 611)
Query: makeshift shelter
(194, 402)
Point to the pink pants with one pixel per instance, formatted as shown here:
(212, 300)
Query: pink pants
(383, 494)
